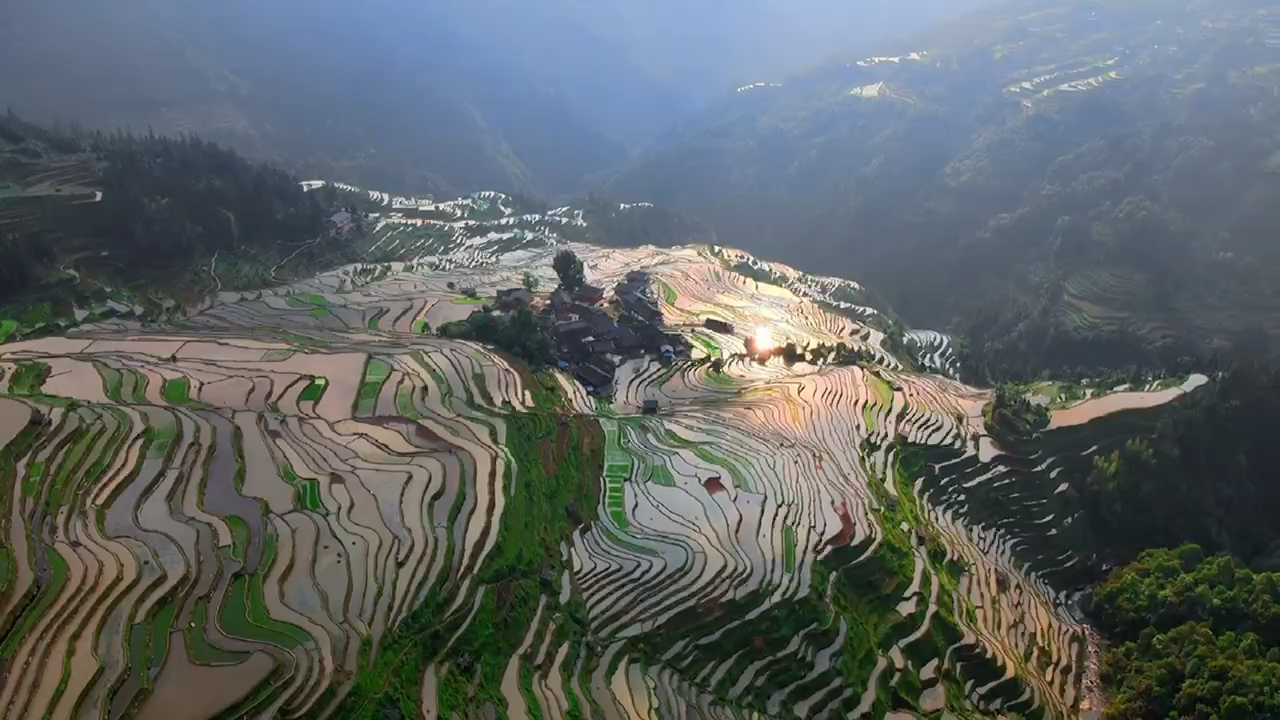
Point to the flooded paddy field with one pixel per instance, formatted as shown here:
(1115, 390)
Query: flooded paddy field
(300, 498)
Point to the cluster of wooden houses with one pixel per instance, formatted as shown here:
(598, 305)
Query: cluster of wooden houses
(591, 337)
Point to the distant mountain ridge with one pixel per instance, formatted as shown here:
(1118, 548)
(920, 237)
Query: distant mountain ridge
(441, 96)
(1064, 182)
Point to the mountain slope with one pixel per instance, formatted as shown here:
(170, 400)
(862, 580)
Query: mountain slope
(371, 520)
(96, 225)
(398, 95)
(1070, 181)
(438, 96)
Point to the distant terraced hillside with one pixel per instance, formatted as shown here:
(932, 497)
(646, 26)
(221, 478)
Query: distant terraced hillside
(1065, 182)
(295, 503)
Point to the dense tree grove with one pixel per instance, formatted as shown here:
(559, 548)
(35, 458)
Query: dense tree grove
(1010, 412)
(1209, 475)
(569, 269)
(520, 333)
(167, 202)
(168, 207)
(1191, 638)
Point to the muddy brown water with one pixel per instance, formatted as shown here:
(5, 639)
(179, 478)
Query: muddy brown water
(186, 691)
(1094, 408)
(14, 416)
(220, 495)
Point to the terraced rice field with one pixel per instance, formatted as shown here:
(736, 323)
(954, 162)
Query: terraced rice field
(334, 515)
(1094, 408)
(1078, 76)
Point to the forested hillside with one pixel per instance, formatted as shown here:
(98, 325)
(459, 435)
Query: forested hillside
(1066, 183)
(1192, 637)
(126, 220)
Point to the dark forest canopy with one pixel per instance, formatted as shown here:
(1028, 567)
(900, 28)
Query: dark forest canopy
(149, 212)
(1191, 638)
(1210, 475)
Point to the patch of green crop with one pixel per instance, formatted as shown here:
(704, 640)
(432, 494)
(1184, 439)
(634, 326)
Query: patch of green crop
(554, 476)
(298, 339)
(239, 536)
(314, 390)
(7, 328)
(162, 437)
(661, 475)
(34, 475)
(66, 491)
(707, 345)
(308, 496)
(446, 389)
(618, 461)
(176, 391)
(740, 478)
(788, 549)
(375, 374)
(112, 383)
(58, 572)
(8, 567)
(883, 391)
(138, 643)
(149, 640)
(302, 302)
(199, 647)
(29, 378)
(404, 403)
(67, 466)
(306, 490)
(137, 384)
(244, 610)
(721, 379)
(668, 293)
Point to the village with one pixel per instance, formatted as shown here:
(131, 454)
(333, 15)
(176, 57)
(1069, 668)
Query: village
(590, 335)
(587, 333)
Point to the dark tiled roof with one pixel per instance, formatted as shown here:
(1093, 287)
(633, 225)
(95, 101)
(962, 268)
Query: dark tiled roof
(597, 371)
(625, 337)
(602, 324)
(574, 331)
(718, 325)
(514, 296)
(589, 292)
